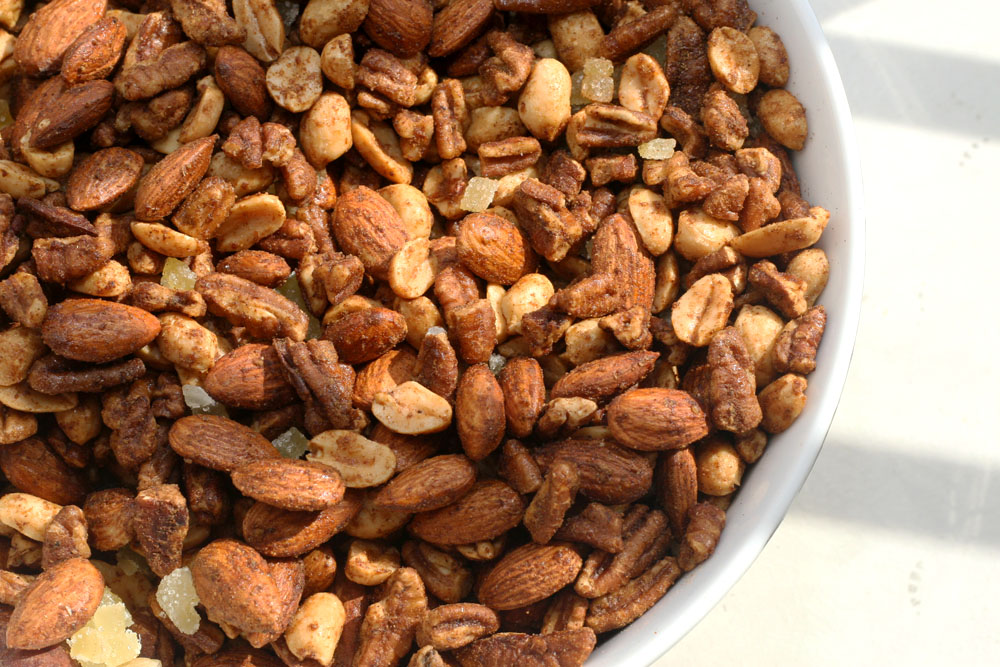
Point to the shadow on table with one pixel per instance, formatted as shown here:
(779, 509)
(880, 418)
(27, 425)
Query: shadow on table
(927, 496)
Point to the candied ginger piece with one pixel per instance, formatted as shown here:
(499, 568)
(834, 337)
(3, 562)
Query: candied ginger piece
(106, 641)
(177, 275)
(497, 362)
(292, 290)
(657, 149)
(479, 194)
(598, 68)
(178, 598)
(292, 443)
(201, 403)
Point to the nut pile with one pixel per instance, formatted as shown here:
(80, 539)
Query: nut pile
(378, 332)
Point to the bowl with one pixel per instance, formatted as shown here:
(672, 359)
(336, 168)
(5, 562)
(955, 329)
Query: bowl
(830, 173)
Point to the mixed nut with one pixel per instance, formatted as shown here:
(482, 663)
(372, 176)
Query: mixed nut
(374, 332)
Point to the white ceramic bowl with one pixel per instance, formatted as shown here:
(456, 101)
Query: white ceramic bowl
(830, 174)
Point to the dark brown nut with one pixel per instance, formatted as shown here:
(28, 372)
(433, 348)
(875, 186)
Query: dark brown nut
(507, 71)
(290, 484)
(152, 120)
(263, 312)
(161, 524)
(607, 168)
(231, 444)
(517, 466)
(564, 173)
(251, 377)
(135, 435)
(543, 328)
(727, 200)
(52, 375)
(243, 81)
(705, 524)
(601, 379)
(688, 70)
(682, 185)
(65, 537)
(402, 27)
(488, 510)
(523, 387)
(567, 611)
(180, 171)
(206, 208)
(548, 508)
(366, 334)
(76, 110)
(653, 419)
(688, 133)
(49, 32)
(94, 54)
(102, 178)
(550, 226)
(454, 287)
(22, 298)
(612, 126)
(324, 385)
(437, 365)
(59, 260)
(50, 220)
(608, 473)
(452, 626)
(320, 567)
(206, 22)
(285, 533)
(785, 291)
(391, 623)
(724, 124)
(474, 327)
(568, 647)
(597, 525)
(428, 485)
(207, 494)
(528, 574)
(646, 540)
(479, 412)
(78, 329)
(782, 402)
(678, 475)
(169, 68)
(494, 248)
(109, 518)
(499, 158)
(388, 76)
(621, 607)
(444, 574)
(460, 22)
(450, 115)
(335, 276)
(277, 143)
(368, 226)
(796, 346)
(732, 383)
(629, 36)
(257, 266)
(760, 206)
(58, 602)
(629, 327)
(245, 143)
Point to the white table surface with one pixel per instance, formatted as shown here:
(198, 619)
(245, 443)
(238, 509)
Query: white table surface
(890, 554)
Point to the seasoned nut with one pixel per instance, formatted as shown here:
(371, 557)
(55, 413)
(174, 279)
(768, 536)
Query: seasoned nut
(795, 347)
(784, 118)
(646, 538)
(370, 563)
(442, 573)
(545, 513)
(725, 125)
(702, 310)
(784, 291)
(410, 408)
(772, 55)
(390, 624)
(452, 626)
(544, 104)
(705, 524)
(315, 629)
(450, 115)
(611, 126)
(732, 383)
(784, 235)
(720, 468)
(325, 131)
(621, 607)
(733, 58)
(643, 87)
(508, 70)
(782, 402)
(812, 267)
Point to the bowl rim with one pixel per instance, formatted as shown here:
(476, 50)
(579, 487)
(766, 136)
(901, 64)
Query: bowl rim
(651, 636)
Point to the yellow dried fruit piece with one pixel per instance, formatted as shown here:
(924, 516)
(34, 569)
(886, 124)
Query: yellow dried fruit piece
(177, 275)
(178, 598)
(292, 290)
(657, 149)
(200, 403)
(479, 194)
(292, 444)
(106, 641)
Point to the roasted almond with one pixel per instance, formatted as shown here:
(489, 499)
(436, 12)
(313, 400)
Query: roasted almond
(366, 334)
(608, 473)
(457, 24)
(523, 386)
(494, 248)
(392, 368)
(56, 604)
(528, 574)
(368, 226)
(34, 468)
(250, 377)
(429, 485)
(654, 418)
(218, 443)
(97, 331)
(488, 510)
(601, 379)
(102, 178)
(678, 481)
(285, 533)
(290, 484)
(479, 412)
(400, 26)
(243, 81)
(50, 31)
(172, 179)
(77, 109)
(95, 52)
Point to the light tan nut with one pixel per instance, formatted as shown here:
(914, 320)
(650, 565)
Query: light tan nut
(294, 80)
(643, 86)
(27, 514)
(733, 59)
(784, 236)
(760, 327)
(411, 270)
(706, 522)
(702, 310)
(23, 398)
(528, 574)
(324, 19)
(452, 626)
(412, 207)
(22, 298)
(652, 219)
(720, 468)
(699, 234)
(19, 348)
(262, 24)
(186, 343)
(544, 104)
(784, 118)
(492, 124)
(250, 219)
(325, 131)
(379, 145)
(58, 602)
(166, 241)
(529, 293)
(410, 408)
(337, 61)
(361, 462)
(772, 56)
(264, 312)
(565, 415)
(18, 180)
(813, 267)
(316, 628)
(16, 426)
(444, 574)
(577, 36)
(428, 485)
(621, 607)
(370, 563)
(782, 402)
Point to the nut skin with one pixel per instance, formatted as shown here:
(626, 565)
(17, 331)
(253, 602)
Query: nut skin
(368, 226)
(290, 484)
(182, 170)
(251, 378)
(428, 485)
(366, 334)
(218, 443)
(494, 249)
(400, 26)
(523, 388)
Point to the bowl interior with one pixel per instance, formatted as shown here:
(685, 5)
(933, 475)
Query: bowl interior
(829, 170)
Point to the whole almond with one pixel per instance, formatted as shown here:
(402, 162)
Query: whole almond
(250, 377)
(77, 109)
(290, 484)
(366, 334)
(479, 412)
(368, 226)
(678, 475)
(494, 248)
(95, 52)
(654, 418)
(234, 584)
(101, 178)
(97, 331)
(50, 31)
(457, 24)
(608, 473)
(528, 574)
(243, 81)
(285, 533)
(56, 604)
(428, 485)
(601, 379)
(218, 443)
(523, 388)
(34, 468)
(172, 179)
(400, 26)
(489, 509)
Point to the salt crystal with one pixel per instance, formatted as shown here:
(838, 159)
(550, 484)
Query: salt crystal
(497, 362)
(435, 330)
(479, 194)
(106, 641)
(200, 403)
(177, 275)
(598, 89)
(178, 598)
(657, 149)
(292, 444)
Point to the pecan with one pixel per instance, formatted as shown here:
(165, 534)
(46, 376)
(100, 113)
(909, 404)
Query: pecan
(207, 22)
(517, 466)
(545, 513)
(109, 518)
(796, 346)
(621, 607)
(391, 623)
(688, 70)
(726, 261)
(596, 525)
(47, 220)
(169, 68)
(444, 574)
(550, 226)
(724, 123)
(608, 473)
(152, 120)
(323, 384)
(629, 36)
(450, 116)
(22, 298)
(542, 329)
(732, 383)
(65, 537)
(452, 626)
(564, 173)
(630, 327)
(54, 375)
(607, 168)
(387, 75)
(59, 260)
(12, 585)
(207, 495)
(646, 540)
(245, 143)
(567, 647)
(415, 132)
(508, 70)
(134, 432)
(705, 524)
(785, 291)
(263, 312)
(612, 126)
(567, 611)
(161, 524)
(499, 158)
